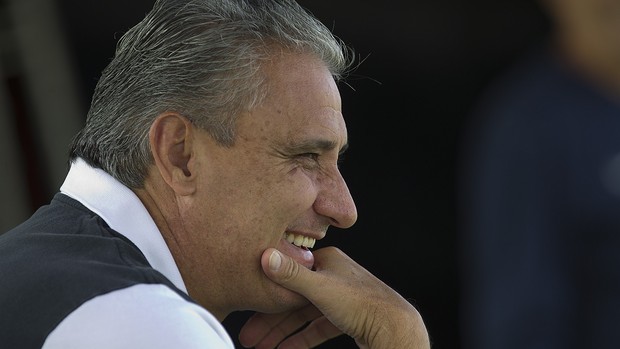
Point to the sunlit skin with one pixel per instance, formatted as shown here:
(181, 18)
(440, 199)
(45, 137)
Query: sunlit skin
(219, 208)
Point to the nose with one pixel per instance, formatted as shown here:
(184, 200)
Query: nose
(335, 201)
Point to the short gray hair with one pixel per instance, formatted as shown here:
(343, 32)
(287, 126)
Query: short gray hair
(202, 59)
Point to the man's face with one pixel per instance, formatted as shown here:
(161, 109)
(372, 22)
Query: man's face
(279, 181)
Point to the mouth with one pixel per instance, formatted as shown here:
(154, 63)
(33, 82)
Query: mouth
(298, 247)
(301, 241)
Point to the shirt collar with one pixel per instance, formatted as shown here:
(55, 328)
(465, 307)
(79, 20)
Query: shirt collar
(123, 211)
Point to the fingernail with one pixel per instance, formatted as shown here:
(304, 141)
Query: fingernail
(275, 260)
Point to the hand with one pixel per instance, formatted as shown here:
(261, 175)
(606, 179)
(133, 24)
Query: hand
(345, 298)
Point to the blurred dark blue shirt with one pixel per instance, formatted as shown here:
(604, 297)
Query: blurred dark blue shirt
(540, 208)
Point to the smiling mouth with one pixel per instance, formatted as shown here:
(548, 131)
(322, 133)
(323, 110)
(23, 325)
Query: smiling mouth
(300, 240)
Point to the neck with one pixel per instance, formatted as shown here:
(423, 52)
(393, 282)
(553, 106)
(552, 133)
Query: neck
(163, 207)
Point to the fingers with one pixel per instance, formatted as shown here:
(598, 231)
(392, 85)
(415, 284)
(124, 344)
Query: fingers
(317, 332)
(341, 290)
(286, 272)
(267, 330)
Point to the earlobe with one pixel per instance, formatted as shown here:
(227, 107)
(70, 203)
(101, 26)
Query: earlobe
(171, 137)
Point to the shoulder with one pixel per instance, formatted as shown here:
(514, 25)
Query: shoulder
(62, 259)
(140, 316)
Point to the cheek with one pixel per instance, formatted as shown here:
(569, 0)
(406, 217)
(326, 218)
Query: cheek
(255, 207)
(295, 192)
(274, 206)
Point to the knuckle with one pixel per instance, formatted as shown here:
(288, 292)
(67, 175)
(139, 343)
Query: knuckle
(290, 272)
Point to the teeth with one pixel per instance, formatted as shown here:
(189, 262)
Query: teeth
(300, 240)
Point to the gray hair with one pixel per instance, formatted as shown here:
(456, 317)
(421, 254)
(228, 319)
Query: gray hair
(201, 59)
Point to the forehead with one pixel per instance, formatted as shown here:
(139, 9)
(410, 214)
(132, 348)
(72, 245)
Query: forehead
(302, 101)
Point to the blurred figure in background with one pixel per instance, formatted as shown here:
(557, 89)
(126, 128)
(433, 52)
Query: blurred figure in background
(540, 192)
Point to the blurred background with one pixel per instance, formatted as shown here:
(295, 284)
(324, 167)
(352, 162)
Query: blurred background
(425, 64)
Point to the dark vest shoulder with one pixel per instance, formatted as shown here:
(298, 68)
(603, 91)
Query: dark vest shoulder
(61, 257)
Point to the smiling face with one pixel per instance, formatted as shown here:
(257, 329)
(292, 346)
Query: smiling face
(280, 182)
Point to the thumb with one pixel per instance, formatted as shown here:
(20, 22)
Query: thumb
(283, 270)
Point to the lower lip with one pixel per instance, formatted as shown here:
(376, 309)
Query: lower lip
(300, 255)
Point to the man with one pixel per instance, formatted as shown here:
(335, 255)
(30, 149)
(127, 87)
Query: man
(206, 171)
(542, 268)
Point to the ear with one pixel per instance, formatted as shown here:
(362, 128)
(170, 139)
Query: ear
(171, 137)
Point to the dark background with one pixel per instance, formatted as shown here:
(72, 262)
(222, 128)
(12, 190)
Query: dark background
(424, 65)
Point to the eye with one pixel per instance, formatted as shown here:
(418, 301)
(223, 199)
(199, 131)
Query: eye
(308, 160)
(311, 156)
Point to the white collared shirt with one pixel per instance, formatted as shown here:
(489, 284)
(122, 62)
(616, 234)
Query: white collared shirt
(144, 315)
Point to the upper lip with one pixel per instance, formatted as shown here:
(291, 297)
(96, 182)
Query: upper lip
(315, 235)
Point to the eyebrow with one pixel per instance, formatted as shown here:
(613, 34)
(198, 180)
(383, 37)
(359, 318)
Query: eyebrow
(317, 144)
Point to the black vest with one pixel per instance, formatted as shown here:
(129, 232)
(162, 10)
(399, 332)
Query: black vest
(61, 257)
